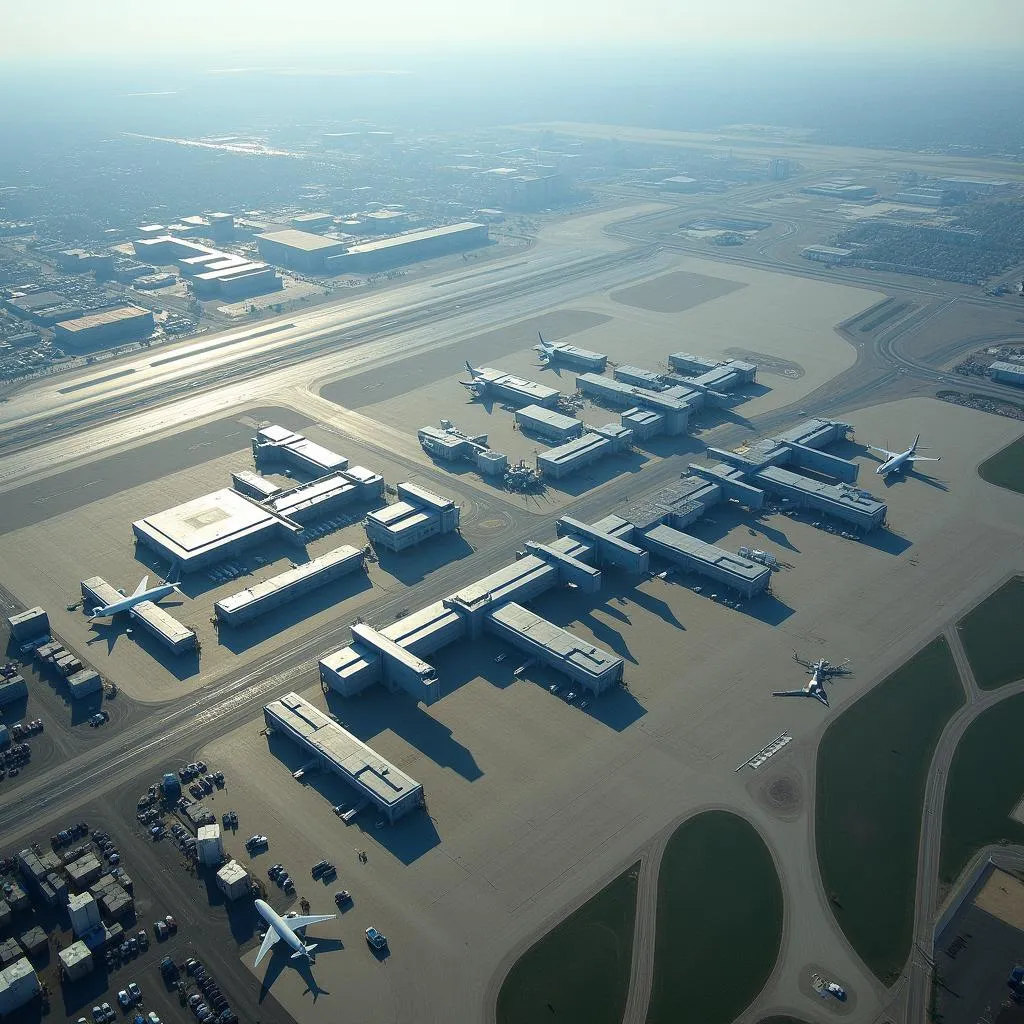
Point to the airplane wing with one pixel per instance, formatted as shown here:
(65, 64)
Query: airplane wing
(790, 693)
(142, 586)
(925, 458)
(883, 451)
(295, 923)
(268, 940)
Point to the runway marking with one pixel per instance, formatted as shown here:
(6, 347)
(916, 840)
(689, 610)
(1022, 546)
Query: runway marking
(57, 494)
(93, 381)
(223, 344)
(765, 752)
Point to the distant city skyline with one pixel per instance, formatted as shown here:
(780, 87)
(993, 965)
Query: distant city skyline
(70, 29)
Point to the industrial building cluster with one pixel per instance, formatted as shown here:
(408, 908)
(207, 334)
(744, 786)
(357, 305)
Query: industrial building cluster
(216, 527)
(395, 655)
(652, 403)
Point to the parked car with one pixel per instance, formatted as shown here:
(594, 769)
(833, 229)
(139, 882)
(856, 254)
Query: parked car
(256, 842)
(124, 999)
(143, 940)
(134, 992)
(343, 897)
(172, 925)
(320, 867)
(375, 939)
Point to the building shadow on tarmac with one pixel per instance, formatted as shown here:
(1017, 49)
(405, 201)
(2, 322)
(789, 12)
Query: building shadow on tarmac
(410, 837)
(599, 473)
(376, 710)
(410, 567)
(240, 638)
(242, 917)
(888, 541)
(181, 666)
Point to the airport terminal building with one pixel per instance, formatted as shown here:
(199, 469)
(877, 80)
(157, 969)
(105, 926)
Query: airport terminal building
(393, 793)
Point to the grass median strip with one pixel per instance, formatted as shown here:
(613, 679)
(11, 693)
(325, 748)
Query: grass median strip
(719, 921)
(1006, 468)
(872, 767)
(992, 636)
(985, 786)
(580, 970)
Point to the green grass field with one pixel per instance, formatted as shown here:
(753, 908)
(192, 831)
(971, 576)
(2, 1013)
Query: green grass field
(986, 782)
(993, 638)
(719, 921)
(1006, 468)
(872, 766)
(580, 970)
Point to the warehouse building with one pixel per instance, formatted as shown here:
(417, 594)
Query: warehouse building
(639, 378)
(583, 663)
(299, 250)
(418, 515)
(645, 423)
(326, 495)
(125, 323)
(177, 638)
(84, 912)
(288, 586)
(515, 391)
(560, 353)
(450, 444)
(674, 409)
(18, 986)
(690, 365)
(1007, 373)
(384, 785)
(831, 254)
(840, 500)
(209, 529)
(387, 253)
(740, 574)
(75, 961)
(84, 682)
(233, 880)
(12, 688)
(252, 485)
(276, 444)
(598, 442)
(33, 624)
(546, 423)
(96, 593)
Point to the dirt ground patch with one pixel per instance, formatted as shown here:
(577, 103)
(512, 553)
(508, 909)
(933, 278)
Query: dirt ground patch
(675, 292)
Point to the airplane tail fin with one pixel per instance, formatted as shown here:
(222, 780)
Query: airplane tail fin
(306, 951)
(917, 441)
(472, 372)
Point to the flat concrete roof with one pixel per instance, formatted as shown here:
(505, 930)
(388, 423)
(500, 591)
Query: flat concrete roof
(348, 754)
(708, 553)
(289, 578)
(207, 521)
(505, 581)
(557, 642)
(840, 494)
(305, 496)
(307, 241)
(574, 449)
(414, 236)
(539, 414)
(107, 316)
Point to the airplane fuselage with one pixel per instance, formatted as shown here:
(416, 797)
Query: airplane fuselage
(129, 602)
(895, 464)
(281, 926)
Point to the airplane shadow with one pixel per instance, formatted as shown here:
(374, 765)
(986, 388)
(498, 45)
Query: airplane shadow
(915, 474)
(281, 959)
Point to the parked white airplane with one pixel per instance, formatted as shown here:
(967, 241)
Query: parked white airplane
(896, 462)
(284, 928)
(545, 348)
(473, 384)
(822, 671)
(130, 601)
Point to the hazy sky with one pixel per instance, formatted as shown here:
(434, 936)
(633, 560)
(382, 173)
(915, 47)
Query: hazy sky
(83, 29)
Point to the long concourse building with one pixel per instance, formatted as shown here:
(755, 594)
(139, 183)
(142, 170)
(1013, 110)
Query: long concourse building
(382, 784)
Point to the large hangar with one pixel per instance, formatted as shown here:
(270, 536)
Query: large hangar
(208, 529)
(384, 785)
